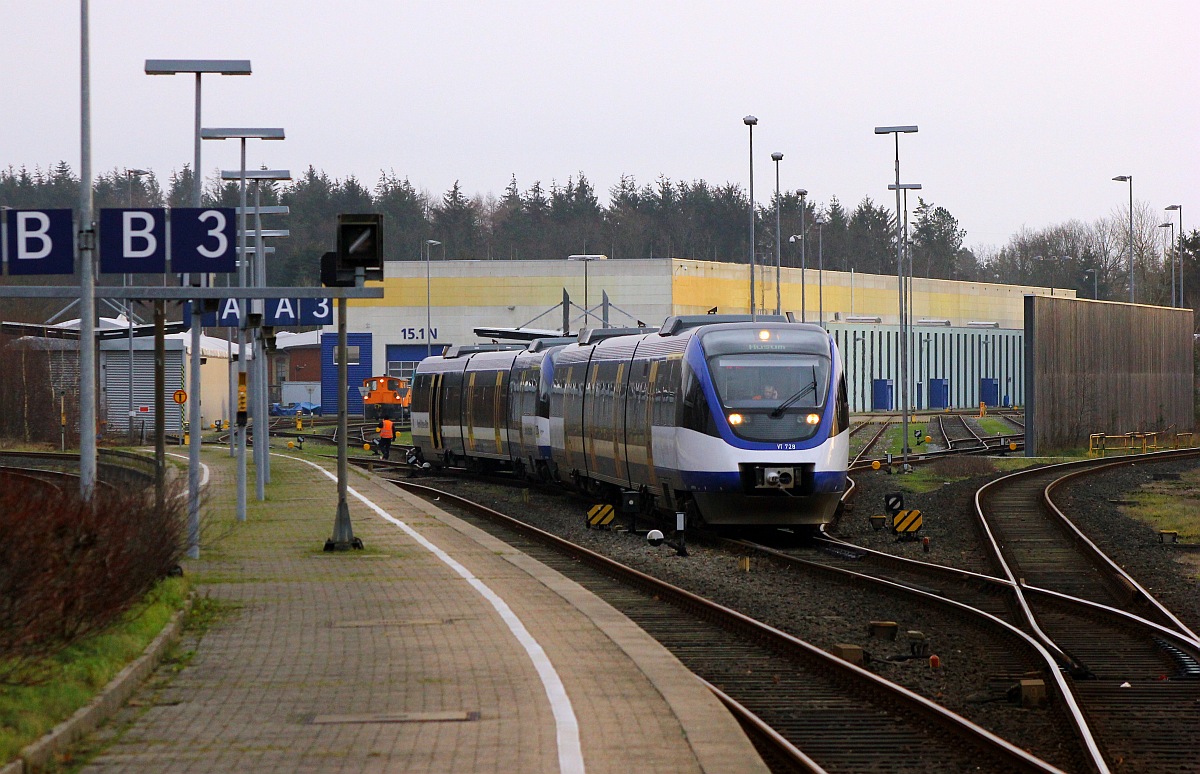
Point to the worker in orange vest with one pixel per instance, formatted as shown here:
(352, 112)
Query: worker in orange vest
(386, 433)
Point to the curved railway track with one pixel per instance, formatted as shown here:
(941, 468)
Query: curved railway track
(1135, 666)
(843, 717)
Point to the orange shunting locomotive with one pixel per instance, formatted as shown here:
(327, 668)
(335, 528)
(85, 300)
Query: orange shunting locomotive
(386, 397)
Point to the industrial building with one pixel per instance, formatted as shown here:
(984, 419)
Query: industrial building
(966, 339)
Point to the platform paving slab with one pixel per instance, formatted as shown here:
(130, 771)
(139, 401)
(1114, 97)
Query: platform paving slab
(386, 660)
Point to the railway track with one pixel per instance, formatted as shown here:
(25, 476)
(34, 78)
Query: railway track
(1135, 667)
(841, 716)
(957, 434)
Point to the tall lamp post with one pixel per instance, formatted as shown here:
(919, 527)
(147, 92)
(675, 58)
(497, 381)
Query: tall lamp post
(198, 67)
(257, 271)
(1170, 256)
(751, 122)
(1095, 283)
(586, 259)
(130, 174)
(429, 244)
(777, 157)
(820, 222)
(1179, 248)
(270, 133)
(799, 238)
(1129, 179)
(896, 131)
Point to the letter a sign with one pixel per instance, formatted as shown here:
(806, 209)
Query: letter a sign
(40, 242)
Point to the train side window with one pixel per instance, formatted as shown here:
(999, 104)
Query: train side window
(841, 413)
(694, 411)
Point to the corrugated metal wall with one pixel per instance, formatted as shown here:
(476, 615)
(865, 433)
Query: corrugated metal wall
(961, 355)
(357, 372)
(114, 379)
(1098, 367)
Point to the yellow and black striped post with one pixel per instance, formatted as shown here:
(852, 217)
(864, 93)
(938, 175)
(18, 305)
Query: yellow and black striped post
(600, 515)
(906, 522)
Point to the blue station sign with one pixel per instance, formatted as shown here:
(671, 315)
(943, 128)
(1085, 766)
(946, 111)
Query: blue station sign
(131, 241)
(39, 242)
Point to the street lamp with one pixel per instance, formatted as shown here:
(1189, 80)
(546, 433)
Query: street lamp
(803, 265)
(198, 67)
(1129, 179)
(127, 279)
(777, 157)
(896, 131)
(257, 272)
(751, 122)
(242, 134)
(1179, 248)
(1171, 257)
(820, 222)
(1095, 283)
(586, 259)
(429, 243)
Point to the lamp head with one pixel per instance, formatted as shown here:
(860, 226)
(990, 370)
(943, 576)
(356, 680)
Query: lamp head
(777, 156)
(432, 242)
(1174, 207)
(1166, 225)
(1123, 178)
(793, 237)
(750, 121)
(137, 172)
(803, 192)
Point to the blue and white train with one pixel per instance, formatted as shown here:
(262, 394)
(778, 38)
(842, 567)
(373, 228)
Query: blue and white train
(738, 422)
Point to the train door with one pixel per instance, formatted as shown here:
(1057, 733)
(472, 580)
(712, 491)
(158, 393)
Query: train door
(435, 413)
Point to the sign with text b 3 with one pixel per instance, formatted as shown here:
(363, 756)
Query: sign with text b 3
(134, 241)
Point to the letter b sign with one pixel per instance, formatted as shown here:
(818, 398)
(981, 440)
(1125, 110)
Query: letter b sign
(133, 241)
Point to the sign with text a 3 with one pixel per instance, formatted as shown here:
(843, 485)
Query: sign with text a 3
(277, 313)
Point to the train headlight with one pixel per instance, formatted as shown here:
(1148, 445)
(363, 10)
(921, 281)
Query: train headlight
(735, 419)
(813, 419)
(764, 335)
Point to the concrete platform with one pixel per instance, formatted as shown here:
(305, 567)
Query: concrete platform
(437, 649)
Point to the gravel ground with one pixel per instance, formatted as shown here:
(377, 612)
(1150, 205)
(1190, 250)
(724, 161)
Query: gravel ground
(819, 611)
(1168, 573)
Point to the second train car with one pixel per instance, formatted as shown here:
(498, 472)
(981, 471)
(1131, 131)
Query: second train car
(737, 422)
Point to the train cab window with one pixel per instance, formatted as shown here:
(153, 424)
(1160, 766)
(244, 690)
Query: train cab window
(750, 380)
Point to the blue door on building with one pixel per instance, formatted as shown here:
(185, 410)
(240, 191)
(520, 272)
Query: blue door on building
(358, 365)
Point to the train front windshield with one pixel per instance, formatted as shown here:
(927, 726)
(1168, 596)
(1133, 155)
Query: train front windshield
(769, 368)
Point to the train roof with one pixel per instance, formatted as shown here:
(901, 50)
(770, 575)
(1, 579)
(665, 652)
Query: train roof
(680, 323)
(594, 335)
(461, 350)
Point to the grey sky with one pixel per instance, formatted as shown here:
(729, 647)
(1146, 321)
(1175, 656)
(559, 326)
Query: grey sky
(1026, 109)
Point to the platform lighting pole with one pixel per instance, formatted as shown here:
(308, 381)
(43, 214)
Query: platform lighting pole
(820, 222)
(1179, 249)
(777, 157)
(198, 67)
(586, 259)
(896, 131)
(751, 122)
(1170, 256)
(129, 175)
(1095, 284)
(262, 440)
(803, 259)
(243, 303)
(1129, 179)
(87, 278)
(429, 243)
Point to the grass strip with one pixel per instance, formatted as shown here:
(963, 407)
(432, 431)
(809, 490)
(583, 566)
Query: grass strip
(75, 676)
